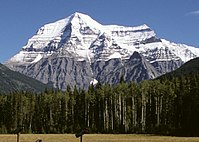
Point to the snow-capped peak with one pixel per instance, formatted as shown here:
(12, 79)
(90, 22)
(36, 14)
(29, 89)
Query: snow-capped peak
(85, 18)
(81, 36)
(81, 23)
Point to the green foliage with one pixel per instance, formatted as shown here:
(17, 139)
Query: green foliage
(168, 107)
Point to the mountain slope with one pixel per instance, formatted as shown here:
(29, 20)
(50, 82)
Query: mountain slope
(190, 67)
(61, 71)
(93, 48)
(14, 81)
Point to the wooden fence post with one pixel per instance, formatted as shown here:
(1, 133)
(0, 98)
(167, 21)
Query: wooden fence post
(18, 135)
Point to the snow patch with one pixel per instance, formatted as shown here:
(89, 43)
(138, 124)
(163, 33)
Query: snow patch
(38, 58)
(115, 55)
(94, 82)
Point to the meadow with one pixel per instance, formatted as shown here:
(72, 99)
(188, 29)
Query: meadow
(96, 138)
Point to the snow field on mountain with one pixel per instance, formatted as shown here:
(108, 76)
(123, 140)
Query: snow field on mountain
(85, 39)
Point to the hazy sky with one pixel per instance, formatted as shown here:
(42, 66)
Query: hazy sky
(174, 20)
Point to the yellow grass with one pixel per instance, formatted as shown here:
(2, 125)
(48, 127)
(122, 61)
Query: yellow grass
(95, 138)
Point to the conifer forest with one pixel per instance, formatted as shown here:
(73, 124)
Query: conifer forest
(167, 106)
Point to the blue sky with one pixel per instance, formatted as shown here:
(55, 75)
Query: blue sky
(174, 20)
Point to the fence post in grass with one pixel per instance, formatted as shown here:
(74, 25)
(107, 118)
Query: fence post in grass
(81, 133)
(18, 135)
(81, 139)
(18, 131)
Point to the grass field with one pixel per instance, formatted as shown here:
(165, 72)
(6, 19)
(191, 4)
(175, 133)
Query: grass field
(95, 138)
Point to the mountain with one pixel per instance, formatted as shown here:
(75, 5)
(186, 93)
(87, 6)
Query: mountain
(13, 81)
(78, 51)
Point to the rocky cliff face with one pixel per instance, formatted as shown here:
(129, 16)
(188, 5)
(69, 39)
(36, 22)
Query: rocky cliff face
(78, 51)
(136, 68)
(63, 71)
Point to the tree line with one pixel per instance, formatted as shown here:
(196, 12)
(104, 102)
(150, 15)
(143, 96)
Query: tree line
(168, 106)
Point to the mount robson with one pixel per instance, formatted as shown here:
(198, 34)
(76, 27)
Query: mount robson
(78, 51)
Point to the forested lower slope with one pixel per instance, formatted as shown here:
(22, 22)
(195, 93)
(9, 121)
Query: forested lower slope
(11, 81)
